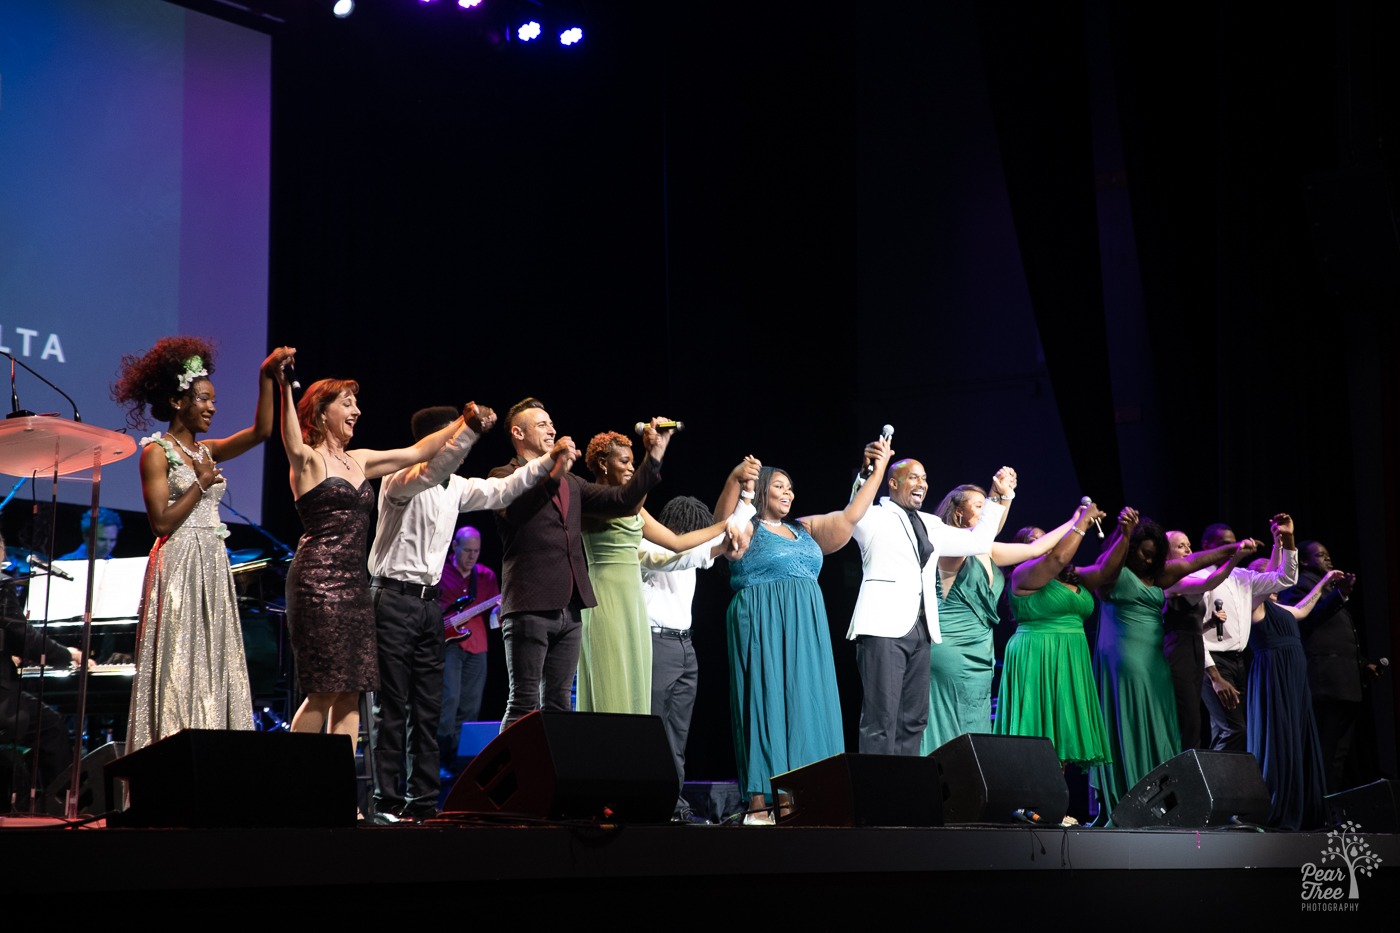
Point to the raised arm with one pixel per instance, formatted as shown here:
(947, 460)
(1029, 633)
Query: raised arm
(381, 462)
(263, 416)
(1035, 573)
(739, 481)
(657, 533)
(1306, 604)
(1003, 491)
(306, 467)
(833, 530)
(1006, 553)
(474, 421)
(1103, 573)
(1282, 571)
(1174, 574)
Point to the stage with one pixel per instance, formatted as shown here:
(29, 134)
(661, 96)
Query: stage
(1159, 878)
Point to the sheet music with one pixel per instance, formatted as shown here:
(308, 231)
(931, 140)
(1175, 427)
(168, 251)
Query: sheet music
(116, 591)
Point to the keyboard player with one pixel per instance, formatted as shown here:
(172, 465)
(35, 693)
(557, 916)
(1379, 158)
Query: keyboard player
(24, 721)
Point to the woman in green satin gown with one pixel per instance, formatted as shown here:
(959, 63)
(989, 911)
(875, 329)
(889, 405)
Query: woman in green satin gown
(969, 589)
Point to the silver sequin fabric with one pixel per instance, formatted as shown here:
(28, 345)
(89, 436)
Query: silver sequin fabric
(190, 668)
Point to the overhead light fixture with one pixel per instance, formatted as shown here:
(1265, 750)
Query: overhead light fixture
(571, 36)
(343, 8)
(530, 30)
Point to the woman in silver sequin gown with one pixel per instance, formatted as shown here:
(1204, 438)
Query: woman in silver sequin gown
(190, 668)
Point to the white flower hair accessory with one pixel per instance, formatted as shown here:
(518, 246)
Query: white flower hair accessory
(194, 369)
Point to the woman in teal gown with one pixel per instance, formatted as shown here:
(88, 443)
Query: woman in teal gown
(614, 667)
(1047, 683)
(784, 705)
(1134, 677)
(969, 589)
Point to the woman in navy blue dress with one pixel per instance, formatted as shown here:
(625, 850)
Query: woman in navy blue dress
(1281, 731)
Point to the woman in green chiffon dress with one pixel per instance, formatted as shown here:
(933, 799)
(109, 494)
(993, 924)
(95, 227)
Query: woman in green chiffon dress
(1047, 681)
(614, 667)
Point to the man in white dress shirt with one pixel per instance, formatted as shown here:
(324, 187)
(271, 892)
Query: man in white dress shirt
(1225, 641)
(418, 509)
(896, 613)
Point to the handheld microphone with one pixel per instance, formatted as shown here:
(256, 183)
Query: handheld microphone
(291, 372)
(886, 433)
(1086, 501)
(641, 426)
(1219, 626)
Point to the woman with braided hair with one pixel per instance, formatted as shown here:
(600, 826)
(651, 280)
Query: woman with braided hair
(190, 669)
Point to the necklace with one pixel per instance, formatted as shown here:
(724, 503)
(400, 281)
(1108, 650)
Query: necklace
(343, 461)
(772, 522)
(196, 455)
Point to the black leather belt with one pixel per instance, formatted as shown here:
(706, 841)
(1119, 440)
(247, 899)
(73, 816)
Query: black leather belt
(408, 589)
(681, 633)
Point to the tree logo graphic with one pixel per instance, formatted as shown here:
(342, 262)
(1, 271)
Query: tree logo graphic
(1346, 857)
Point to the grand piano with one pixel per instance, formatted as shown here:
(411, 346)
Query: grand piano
(116, 607)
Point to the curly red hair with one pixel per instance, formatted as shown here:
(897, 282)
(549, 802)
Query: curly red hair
(599, 448)
(315, 401)
(153, 378)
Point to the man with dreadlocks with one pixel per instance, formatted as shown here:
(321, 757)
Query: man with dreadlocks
(668, 584)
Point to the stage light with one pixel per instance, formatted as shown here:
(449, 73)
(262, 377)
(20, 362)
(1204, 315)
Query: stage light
(571, 36)
(468, 4)
(530, 30)
(343, 8)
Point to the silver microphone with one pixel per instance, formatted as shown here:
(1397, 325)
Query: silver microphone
(886, 433)
(1086, 501)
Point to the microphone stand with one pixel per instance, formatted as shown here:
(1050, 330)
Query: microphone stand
(282, 549)
(15, 410)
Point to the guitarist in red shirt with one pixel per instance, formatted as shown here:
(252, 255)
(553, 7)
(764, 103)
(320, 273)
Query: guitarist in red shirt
(470, 601)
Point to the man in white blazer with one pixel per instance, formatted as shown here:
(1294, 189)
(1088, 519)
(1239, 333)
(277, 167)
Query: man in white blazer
(896, 614)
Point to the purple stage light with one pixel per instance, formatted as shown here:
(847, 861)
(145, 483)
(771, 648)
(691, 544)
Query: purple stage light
(570, 36)
(343, 8)
(468, 4)
(530, 30)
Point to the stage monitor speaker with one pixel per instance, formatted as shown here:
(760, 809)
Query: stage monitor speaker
(861, 790)
(1197, 789)
(987, 778)
(1372, 807)
(92, 796)
(573, 766)
(212, 778)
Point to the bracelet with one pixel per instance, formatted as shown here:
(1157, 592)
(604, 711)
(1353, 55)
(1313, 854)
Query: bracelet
(1076, 530)
(745, 495)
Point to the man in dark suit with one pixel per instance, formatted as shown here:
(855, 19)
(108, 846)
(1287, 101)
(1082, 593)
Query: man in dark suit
(1336, 666)
(544, 571)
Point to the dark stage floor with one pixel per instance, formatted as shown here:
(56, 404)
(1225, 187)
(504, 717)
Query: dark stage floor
(1161, 878)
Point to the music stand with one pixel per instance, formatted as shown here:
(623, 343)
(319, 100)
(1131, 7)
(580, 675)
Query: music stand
(33, 444)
